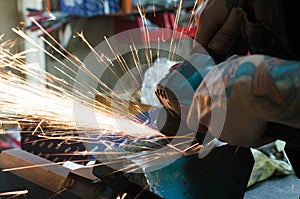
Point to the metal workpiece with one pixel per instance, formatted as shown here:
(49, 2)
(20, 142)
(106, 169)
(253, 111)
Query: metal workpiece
(42, 178)
(34, 169)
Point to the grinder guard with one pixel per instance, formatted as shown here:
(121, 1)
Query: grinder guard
(175, 91)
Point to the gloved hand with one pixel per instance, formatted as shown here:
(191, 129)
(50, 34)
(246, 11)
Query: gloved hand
(219, 29)
(238, 97)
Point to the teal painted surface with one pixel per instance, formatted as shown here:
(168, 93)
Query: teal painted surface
(171, 181)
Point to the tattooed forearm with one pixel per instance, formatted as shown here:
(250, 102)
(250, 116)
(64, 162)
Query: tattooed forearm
(269, 86)
(277, 78)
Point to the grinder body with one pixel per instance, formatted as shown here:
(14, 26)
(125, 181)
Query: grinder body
(175, 92)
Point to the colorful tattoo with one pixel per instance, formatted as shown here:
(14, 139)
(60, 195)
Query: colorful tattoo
(275, 78)
(235, 72)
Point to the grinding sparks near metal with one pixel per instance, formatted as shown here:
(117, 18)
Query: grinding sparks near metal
(47, 112)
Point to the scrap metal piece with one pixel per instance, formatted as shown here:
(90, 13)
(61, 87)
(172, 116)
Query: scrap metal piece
(43, 178)
(34, 169)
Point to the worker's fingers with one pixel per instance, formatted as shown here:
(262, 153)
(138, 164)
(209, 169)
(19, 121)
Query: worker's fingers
(227, 35)
(210, 19)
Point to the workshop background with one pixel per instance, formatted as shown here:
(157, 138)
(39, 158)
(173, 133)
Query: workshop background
(272, 175)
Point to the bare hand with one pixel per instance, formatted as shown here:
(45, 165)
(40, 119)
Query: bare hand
(219, 29)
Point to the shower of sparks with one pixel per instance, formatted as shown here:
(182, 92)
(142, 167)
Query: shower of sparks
(33, 103)
(48, 111)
